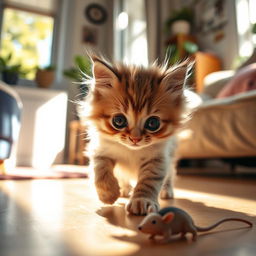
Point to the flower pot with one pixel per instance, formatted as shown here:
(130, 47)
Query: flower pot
(180, 27)
(44, 78)
(10, 77)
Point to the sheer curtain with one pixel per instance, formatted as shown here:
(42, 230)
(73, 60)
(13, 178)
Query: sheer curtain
(131, 32)
(153, 19)
(139, 38)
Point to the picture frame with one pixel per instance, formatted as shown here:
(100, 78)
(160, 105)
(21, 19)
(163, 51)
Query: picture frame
(89, 35)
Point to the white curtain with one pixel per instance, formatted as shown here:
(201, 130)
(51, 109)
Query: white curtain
(154, 29)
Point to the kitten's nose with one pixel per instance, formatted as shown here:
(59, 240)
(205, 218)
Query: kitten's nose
(134, 139)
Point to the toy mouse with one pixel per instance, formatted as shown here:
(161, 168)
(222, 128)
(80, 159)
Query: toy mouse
(171, 220)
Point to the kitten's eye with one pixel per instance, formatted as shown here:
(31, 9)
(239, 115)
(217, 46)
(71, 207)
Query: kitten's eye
(152, 124)
(153, 221)
(119, 121)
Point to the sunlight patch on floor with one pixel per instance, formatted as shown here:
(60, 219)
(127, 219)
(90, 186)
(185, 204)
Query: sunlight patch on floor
(222, 201)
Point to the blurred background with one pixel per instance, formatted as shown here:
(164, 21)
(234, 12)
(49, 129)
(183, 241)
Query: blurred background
(43, 45)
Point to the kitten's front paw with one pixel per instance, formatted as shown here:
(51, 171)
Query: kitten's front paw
(108, 192)
(139, 206)
(125, 191)
(166, 193)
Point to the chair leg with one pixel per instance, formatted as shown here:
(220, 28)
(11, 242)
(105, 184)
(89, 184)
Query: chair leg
(2, 168)
(72, 141)
(233, 168)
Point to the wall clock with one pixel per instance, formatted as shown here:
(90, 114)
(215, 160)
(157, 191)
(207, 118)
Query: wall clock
(96, 14)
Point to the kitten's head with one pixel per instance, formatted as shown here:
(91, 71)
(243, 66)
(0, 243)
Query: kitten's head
(137, 106)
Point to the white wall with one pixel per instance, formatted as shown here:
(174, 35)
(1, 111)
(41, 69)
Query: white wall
(105, 31)
(227, 48)
(75, 22)
(72, 22)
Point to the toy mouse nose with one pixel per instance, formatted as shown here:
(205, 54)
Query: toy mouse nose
(134, 139)
(139, 227)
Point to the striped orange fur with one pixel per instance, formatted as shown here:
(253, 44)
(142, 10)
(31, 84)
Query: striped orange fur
(135, 111)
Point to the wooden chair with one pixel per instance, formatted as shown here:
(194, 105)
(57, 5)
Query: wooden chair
(77, 143)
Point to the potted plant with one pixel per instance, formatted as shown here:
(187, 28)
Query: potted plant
(78, 73)
(254, 34)
(45, 76)
(82, 68)
(10, 72)
(180, 21)
(174, 55)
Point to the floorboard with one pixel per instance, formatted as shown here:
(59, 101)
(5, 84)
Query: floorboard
(64, 217)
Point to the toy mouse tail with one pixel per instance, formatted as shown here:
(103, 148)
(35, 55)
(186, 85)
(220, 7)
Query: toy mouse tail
(203, 229)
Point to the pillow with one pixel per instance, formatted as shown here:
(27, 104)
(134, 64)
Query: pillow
(244, 80)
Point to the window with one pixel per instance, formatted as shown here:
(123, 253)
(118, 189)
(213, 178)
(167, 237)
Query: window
(131, 37)
(246, 17)
(27, 33)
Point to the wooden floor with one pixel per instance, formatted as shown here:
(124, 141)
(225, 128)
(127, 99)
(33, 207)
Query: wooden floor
(64, 217)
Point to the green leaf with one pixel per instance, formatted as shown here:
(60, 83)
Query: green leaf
(82, 65)
(254, 28)
(2, 63)
(49, 68)
(190, 47)
(172, 54)
(181, 14)
(73, 74)
(9, 57)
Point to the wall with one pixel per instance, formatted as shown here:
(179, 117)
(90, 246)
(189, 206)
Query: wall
(72, 23)
(105, 31)
(76, 20)
(227, 47)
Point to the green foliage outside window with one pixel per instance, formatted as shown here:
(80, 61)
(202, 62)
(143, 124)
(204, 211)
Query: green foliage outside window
(28, 37)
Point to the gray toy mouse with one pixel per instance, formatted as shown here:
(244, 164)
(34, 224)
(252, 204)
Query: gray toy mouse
(171, 221)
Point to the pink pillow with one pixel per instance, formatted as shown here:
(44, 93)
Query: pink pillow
(244, 80)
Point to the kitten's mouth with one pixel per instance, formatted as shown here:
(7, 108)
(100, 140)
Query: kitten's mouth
(133, 146)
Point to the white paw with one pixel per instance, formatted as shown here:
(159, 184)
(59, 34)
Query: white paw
(140, 206)
(166, 193)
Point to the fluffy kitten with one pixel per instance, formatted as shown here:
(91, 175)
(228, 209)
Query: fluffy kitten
(135, 112)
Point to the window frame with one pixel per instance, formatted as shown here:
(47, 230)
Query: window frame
(247, 35)
(123, 40)
(55, 32)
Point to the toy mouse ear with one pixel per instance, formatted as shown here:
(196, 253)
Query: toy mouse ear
(168, 217)
(151, 209)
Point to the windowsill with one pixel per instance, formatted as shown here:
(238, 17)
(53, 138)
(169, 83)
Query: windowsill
(28, 84)
(37, 91)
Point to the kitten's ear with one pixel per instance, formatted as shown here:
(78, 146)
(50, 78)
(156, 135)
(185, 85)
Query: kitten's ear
(104, 74)
(175, 77)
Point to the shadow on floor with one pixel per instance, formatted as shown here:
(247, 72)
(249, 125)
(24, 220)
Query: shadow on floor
(23, 234)
(202, 215)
